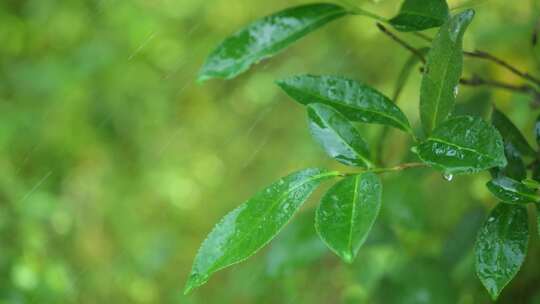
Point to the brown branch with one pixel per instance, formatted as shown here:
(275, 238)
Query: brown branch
(476, 80)
(401, 42)
(489, 57)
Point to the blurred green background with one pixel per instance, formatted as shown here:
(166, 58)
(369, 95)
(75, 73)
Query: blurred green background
(115, 164)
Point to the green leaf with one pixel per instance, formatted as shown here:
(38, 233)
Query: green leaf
(463, 144)
(347, 213)
(536, 171)
(531, 183)
(538, 217)
(515, 167)
(265, 38)
(512, 191)
(418, 15)
(246, 229)
(356, 101)
(511, 133)
(501, 247)
(405, 72)
(338, 136)
(443, 71)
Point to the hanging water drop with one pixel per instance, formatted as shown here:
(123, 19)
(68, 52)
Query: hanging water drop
(456, 91)
(448, 176)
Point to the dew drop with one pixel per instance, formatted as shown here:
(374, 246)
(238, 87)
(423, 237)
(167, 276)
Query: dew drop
(456, 91)
(448, 176)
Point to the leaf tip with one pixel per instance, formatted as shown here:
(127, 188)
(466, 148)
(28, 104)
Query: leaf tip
(193, 282)
(202, 77)
(347, 257)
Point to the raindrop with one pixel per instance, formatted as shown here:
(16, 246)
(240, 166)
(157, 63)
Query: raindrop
(448, 176)
(456, 91)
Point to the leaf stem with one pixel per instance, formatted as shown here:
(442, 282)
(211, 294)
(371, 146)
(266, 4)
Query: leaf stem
(401, 42)
(400, 167)
(356, 10)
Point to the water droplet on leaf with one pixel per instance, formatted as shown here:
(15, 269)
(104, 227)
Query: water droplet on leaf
(448, 176)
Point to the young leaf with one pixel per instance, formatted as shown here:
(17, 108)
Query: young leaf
(511, 133)
(347, 213)
(512, 191)
(356, 101)
(501, 247)
(463, 144)
(443, 71)
(265, 38)
(246, 229)
(338, 136)
(418, 15)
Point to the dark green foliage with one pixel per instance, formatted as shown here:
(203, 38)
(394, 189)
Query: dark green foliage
(453, 144)
(501, 247)
(417, 15)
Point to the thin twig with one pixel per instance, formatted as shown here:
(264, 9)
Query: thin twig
(423, 37)
(401, 42)
(490, 57)
(487, 56)
(400, 167)
(476, 80)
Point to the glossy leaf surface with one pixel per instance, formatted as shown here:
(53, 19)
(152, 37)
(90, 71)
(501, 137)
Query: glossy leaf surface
(347, 213)
(512, 191)
(463, 144)
(442, 73)
(337, 136)
(417, 15)
(515, 166)
(501, 247)
(266, 37)
(253, 224)
(356, 101)
(511, 133)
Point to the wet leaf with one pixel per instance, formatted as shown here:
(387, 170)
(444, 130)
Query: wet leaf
(512, 191)
(501, 247)
(515, 167)
(443, 71)
(347, 212)
(356, 101)
(511, 133)
(338, 136)
(463, 144)
(405, 72)
(418, 15)
(265, 38)
(246, 229)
